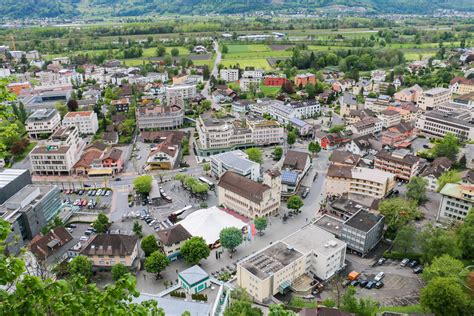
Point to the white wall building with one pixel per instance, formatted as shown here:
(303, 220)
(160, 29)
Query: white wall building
(457, 199)
(229, 75)
(236, 161)
(432, 98)
(185, 91)
(246, 84)
(43, 121)
(258, 73)
(86, 122)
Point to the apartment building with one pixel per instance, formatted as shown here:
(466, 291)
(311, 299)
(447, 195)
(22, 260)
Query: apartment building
(106, 250)
(309, 252)
(274, 80)
(159, 117)
(257, 73)
(86, 122)
(431, 99)
(461, 85)
(400, 162)
(363, 231)
(305, 109)
(359, 180)
(409, 94)
(249, 84)
(42, 122)
(185, 91)
(229, 75)
(171, 240)
(367, 126)
(390, 118)
(250, 198)
(236, 161)
(265, 132)
(302, 80)
(438, 124)
(283, 113)
(456, 201)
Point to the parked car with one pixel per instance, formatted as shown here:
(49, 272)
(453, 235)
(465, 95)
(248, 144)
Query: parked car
(108, 192)
(88, 232)
(379, 285)
(305, 193)
(118, 179)
(71, 225)
(346, 283)
(379, 276)
(412, 263)
(381, 261)
(370, 285)
(354, 283)
(363, 283)
(418, 270)
(404, 262)
(84, 238)
(81, 192)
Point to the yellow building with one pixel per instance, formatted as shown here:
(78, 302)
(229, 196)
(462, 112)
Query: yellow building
(106, 250)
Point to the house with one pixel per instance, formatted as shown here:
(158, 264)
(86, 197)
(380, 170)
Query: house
(456, 201)
(121, 105)
(241, 106)
(199, 49)
(344, 158)
(99, 159)
(302, 80)
(164, 156)
(355, 116)
(433, 172)
(194, 280)
(331, 141)
(249, 198)
(86, 122)
(236, 161)
(295, 166)
(229, 75)
(399, 134)
(249, 84)
(368, 126)
(111, 138)
(399, 162)
(112, 159)
(461, 85)
(54, 243)
(106, 250)
(274, 80)
(171, 240)
(390, 118)
(303, 128)
(363, 145)
(253, 73)
(43, 122)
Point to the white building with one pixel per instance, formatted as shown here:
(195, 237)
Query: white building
(457, 199)
(42, 122)
(390, 118)
(185, 91)
(367, 126)
(247, 84)
(283, 113)
(229, 75)
(431, 99)
(86, 122)
(236, 161)
(258, 73)
(438, 124)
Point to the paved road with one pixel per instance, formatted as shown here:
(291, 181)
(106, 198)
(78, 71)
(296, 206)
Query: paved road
(215, 72)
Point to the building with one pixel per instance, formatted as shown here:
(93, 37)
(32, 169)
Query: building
(309, 252)
(433, 172)
(229, 75)
(348, 102)
(121, 105)
(194, 280)
(11, 180)
(390, 118)
(399, 134)
(164, 156)
(431, 99)
(363, 231)
(265, 132)
(359, 180)
(409, 94)
(303, 128)
(185, 91)
(50, 244)
(236, 161)
(106, 250)
(171, 240)
(283, 113)
(29, 210)
(295, 166)
(157, 117)
(367, 126)
(363, 145)
(461, 85)
(249, 84)
(42, 122)
(241, 106)
(438, 124)
(274, 81)
(250, 198)
(86, 122)
(344, 158)
(400, 162)
(456, 201)
(304, 79)
(253, 73)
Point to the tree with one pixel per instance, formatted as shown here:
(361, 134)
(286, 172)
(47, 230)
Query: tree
(361, 307)
(255, 154)
(294, 203)
(174, 52)
(447, 147)
(239, 308)
(450, 176)
(61, 108)
(260, 224)
(206, 167)
(416, 189)
(291, 138)
(398, 212)
(142, 184)
(160, 51)
(224, 49)
(435, 242)
(287, 87)
(149, 245)
(156, 262)
(72, 105)
(466, 236)
(444, 266)
(405, 240)
(337, 129)
(194, 250)
(230, 238)
(445, 296)
(137, 228)
(101, 224)
(314, 147)
(118, 271)
(279, 310)
(277, 153)
(80, 266)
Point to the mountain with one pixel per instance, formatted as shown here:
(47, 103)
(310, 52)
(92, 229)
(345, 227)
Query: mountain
(88, 8)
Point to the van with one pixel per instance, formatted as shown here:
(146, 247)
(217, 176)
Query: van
(379, 276)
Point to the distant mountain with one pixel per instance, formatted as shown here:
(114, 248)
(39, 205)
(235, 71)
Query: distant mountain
(74, 8)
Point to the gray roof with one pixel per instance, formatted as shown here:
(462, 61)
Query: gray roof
(8, 175)
(282, 108)
(194, 275)
(232, 159)
(176, 307)
(41, 115)
(363, 220)
(296, 121)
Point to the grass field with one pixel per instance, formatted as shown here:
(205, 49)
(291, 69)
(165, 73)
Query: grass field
(259, 63)
(263, 54)
(412, 56)
(403, 309)
(270, 91)
(248, 48)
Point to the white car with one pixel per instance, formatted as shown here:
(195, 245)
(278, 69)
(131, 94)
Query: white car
(84, 238)
(379, 276)
(99, 192)
(108, 192)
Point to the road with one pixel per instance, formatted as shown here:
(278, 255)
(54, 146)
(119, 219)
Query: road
(206, 92)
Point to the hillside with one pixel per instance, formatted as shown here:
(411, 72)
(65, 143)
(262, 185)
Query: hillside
(73, 8)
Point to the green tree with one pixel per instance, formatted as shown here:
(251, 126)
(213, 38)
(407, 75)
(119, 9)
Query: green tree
(450, 176)
(435, 242)
(174, 52)
(206, 167)
(337, 129)
(160, 51)
(137, 228)
(224, 49)
(260, 224)
(466, 236)
(398, 212)
(294, 203)
(314, 148)
(405, 240)
(61, 108)
(447, 147)
(361, 307)
(230, 238)
(279, 310)
(156, 263)
(445, 296)
(277, 153)
(241, 308)
(255, 154)
(142, 184)
(416, 189)
(291, 138)
(101, 224)
(80, 266)
(149, 245)
(118, 271)
(194, 250)
(444, 266)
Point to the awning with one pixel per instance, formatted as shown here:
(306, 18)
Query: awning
(100, 172)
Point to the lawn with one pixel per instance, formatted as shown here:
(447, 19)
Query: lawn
(270, 91)
(151, 52)
(412, 56)
(208, 62)
(133, 62)
(403, 309)
(264, 54)
(259, 63)
(326, 48)
(248, 48)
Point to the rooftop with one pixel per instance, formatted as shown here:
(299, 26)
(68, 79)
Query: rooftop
(78, 114)
(193, 275)
(8, 175)
(363, 220)
(41, 115)
(173, 235)
(236, 159)
(111, 244)
(296, 160)
(331, 224)
(243, 186)
(459, 191)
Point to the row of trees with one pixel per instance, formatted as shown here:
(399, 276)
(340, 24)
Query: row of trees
(192, 184)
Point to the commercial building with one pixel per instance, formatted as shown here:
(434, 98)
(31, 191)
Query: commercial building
(456, 201)
(249, 198)
(400, 162)
(171, 240)
(431, 99)
(157, 117)
(11, 180)
(285, 264)
(363, 231)
(236, 161)
(367, 126)
(86, 122)
(283, 113)
(390, 118)
(106, 250)
(438, 124)
(229, 75)
(42, 122)
(359, 180)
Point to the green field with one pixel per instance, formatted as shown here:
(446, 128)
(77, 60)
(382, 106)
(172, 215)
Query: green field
(259, 63)
(248, 48)
(270, 91)
(262, 54)
(412, 56)
(403, 309)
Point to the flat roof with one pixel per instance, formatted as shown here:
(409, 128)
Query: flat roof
(172, 306)
(8, 175)
(314, 238)
(236, 159)
(363, 220)
(331, 224)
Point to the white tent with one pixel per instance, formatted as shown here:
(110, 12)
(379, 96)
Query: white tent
(208, 223)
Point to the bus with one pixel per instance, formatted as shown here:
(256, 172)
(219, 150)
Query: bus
(209, 183)
(181, 211)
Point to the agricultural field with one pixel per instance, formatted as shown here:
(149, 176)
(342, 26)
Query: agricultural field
(248, 48)
(259, 63)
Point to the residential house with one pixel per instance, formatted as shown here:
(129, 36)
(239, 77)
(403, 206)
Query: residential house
(111, 137)
(344, 158)
(433, 172)
(390, 118)
(164, 156)
(121, 105)
(302, 80)
(106, 250)
(52, 244)
(303, 128)
(253, 73)
(249, 84)
(363, 145)
(368, 126)
(399, 162)
(456, 201)
(399, 135)
(170, 240)
(185, 91)
(86, 122)
(348, 102)
(355, 116)
(295, 166)
(461, 85)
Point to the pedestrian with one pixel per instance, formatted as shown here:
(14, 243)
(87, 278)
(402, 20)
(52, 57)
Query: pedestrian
(144, 276)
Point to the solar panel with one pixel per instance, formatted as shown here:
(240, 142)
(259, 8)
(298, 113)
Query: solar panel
(289, 177)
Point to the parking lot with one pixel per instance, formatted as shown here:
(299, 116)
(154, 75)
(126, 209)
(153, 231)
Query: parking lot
(88, 198)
